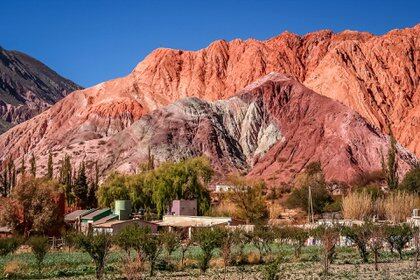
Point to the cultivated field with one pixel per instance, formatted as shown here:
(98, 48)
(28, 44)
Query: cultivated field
(347, 265)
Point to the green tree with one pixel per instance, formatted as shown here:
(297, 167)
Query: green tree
(294, 235)
(207, 239)
(411, 181)
(249, 199)
(262, 237)
(32, 162)
(230, 239)
(376, 241)
(171, 241)
(359, 235)
(329, 237)
(398, 237)
(114, 188)
(40, 247)
(65, 179)
(97, 246)
(50, 168)
(81, 187)
(390, 167)
(312, 178)
(152, 247)
(187, 179)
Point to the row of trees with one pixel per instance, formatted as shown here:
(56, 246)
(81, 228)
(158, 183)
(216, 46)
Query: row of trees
(149, 248)
(153, 189)
(80, 189)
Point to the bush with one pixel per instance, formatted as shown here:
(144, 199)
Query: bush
(13, 269)
(411, 181)
(207, 239)
(97, 246)
(295, 235)
(360, 236)
(271, 271)
(398, 206)
(357, 206)
(398, 237)
(40, 247)
(9, 245)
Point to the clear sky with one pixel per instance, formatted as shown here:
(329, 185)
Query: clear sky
(93, 41)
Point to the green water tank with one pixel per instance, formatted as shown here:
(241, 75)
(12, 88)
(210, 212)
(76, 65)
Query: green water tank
(123, 209)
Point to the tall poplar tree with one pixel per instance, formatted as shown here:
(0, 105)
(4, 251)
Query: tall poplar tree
(50, 168)
(22, 166)
(66, 178)
(33, 165)
(390, 166)
(81, 187)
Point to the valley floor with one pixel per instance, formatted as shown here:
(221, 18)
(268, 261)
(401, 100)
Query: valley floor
(347, 265)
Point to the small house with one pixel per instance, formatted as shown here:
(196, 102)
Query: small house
(184, 207)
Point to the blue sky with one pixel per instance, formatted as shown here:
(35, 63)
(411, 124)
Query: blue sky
(93, 41)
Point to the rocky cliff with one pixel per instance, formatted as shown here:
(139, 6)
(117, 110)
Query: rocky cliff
(271, 129)
(375, 76)
(27, 87)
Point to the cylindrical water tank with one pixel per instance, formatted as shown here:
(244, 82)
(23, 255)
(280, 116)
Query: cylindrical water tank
(123, 209)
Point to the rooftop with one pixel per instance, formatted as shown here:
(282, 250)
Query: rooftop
(193, 221)
(75, 214)
(95, 213)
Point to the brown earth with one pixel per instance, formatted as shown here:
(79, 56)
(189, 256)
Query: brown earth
(377, 76)
(269, 130)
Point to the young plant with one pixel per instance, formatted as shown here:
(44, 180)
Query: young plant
(295, 235)
(262, 237)
(171, 241)
(376, 243)
(360, 236)
(97, 246)
(40, 247)
(207, 239)
(184, 246)
(9, 245)
(398, 237)
(230, 239)
(329, 237)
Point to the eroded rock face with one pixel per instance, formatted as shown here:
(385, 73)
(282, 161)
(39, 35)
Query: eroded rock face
(377, 76)
(269, 130)
(27, 87)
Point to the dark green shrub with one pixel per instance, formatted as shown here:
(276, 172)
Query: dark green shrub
(398, 237)
(40, 247)
(97, 246)
(9, 245)
(360, 236)
(207, 239)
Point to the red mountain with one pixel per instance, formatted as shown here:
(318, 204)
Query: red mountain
(376, 76)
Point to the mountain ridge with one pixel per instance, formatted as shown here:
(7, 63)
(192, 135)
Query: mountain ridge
(27, 87)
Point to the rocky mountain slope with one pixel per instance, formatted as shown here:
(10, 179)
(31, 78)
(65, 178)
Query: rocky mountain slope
(377, 76)
(27, 87)
(270, 129)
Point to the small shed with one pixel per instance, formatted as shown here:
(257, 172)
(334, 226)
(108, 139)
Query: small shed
(184, 207)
